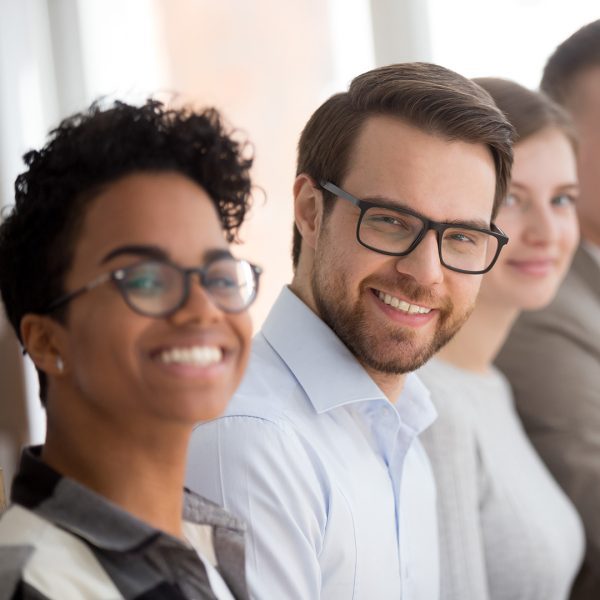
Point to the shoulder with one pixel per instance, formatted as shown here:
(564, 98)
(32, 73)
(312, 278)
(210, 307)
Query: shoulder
(268, 419)
(199, 510)
(269, 390)
(449, 387)
(452, 434)
(246, 441)
(568, 328)
(241, 461)
(48, 561)
(466, 404)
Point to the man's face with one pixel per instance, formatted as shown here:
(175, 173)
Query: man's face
(584, 105)
(393, 313)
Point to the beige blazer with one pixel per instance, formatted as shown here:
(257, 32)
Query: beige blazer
(552, 359)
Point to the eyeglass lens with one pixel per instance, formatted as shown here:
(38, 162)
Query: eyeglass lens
(392, 231)
(157, 288)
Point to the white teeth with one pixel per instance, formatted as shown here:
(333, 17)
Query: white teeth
(402, 305)
(201, 356)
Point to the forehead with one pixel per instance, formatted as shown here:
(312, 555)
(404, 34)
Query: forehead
(167, 210)
(443, 179)
(545, 159)
(584, 94)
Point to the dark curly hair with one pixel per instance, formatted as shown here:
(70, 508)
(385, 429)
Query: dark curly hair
(86, 152)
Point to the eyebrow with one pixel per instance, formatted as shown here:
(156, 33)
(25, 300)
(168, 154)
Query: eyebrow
(216, 253)
(386, 203)
(157, 253)
(561, 186)
(153, 252)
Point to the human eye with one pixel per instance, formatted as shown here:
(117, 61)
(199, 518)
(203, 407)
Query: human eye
(222, 281)
(463, 241)
(390, 222)
(146, 279)
(223, 276)
(511, 200)
(462, 237)
(563, 200)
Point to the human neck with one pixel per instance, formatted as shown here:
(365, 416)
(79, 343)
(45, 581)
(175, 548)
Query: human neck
(479, 340)
(140, 468)
(390, 384)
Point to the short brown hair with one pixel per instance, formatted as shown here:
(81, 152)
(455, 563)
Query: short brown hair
(424, 95)
(578, 52)
(528, 111)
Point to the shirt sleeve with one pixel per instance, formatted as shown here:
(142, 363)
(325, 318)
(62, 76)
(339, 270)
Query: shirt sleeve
(556, 381)
(261, 472)
(461, 482)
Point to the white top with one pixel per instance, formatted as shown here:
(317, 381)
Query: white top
(507, 531)
(217, 583)
(200, 538)
(329, 475)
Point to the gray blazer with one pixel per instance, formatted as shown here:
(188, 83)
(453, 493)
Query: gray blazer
(552, 359)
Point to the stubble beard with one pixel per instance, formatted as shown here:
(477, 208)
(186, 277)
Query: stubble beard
(389, 349)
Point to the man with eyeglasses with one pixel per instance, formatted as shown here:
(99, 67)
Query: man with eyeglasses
(398, 181)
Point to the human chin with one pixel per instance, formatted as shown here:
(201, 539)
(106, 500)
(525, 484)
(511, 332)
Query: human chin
(382, 347)
(540, 295)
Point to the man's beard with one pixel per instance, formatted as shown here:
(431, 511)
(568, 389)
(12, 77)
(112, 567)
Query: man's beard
(390, 349)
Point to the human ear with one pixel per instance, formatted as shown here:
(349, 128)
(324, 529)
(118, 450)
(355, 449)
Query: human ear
(308, 209)
(41, 339)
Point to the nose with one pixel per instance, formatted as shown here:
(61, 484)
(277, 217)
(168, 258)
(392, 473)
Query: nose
(423, 263)
(541, 226)
(198, 307)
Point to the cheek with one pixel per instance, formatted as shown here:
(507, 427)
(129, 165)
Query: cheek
(463, 292)
(241, 325)
(570, 236)
(493, 284)
(103, 345)
(470, 289)
(511, 225)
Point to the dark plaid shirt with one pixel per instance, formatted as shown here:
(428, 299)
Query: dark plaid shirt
(60, 540)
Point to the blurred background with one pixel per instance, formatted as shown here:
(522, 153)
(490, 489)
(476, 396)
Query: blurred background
(266, 64)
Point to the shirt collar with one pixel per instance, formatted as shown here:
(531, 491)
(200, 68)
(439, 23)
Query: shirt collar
(327, 371)
(92, 517)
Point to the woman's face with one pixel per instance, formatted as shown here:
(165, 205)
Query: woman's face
(182, 368)
(539, 218)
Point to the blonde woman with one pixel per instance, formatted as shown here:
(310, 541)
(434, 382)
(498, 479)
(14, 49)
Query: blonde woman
(507, 530)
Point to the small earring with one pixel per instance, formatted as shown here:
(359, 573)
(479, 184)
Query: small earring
(60, 365)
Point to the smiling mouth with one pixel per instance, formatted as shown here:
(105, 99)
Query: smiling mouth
(401, 305)
(198, 356)
(534, 267)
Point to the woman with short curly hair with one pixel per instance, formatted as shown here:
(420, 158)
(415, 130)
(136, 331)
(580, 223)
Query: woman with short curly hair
(117, 276)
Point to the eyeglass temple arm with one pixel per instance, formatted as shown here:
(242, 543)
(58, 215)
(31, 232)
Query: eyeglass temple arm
(86, 288)
(334, 189)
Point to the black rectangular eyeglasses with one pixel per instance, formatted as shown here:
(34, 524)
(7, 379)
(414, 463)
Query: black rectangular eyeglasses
(398, 231)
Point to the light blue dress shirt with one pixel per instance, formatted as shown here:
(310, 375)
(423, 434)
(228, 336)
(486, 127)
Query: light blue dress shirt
(329, 475)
